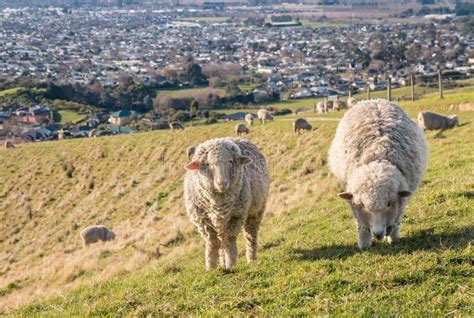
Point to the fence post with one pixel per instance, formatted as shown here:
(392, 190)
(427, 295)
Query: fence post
(412, 83)
(389, 89)
(368, 91)
(440, 83)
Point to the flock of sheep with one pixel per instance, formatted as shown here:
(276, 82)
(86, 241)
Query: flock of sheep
(378, 154)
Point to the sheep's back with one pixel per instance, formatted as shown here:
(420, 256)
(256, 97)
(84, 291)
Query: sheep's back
(379, 130)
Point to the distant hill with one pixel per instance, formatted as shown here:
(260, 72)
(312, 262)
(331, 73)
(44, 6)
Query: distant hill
(355, 3)
(309, 263)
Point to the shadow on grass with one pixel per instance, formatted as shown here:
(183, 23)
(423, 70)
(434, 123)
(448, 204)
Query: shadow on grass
(424, 240)
(464, 124)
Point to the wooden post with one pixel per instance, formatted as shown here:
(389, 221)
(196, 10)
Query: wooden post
(440, 83)
(389, 89)
(412, 83)
(368, 91)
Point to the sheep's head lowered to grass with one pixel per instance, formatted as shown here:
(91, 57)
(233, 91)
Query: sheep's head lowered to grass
(219, 165)
(377, 195)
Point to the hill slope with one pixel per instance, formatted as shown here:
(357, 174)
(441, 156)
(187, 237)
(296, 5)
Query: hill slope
(308, 261)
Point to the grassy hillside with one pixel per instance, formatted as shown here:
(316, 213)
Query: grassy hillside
(308, 260)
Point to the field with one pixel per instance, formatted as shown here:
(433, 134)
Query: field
(10, 91)
(64, 116)
(308, 261)
(190, 91)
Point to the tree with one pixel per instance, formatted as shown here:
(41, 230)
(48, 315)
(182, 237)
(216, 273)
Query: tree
(233, 88)
(193, 74)
(194, 106)
(170, 74)
(215, 82)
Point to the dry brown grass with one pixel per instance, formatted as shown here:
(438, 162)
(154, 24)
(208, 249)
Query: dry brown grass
(132, 184)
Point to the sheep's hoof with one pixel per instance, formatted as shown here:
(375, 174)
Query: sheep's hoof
(391, 239)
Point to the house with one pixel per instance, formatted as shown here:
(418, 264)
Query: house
(122, 117)
(34, 115)
(39, 134)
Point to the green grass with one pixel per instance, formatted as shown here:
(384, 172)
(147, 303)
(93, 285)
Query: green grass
(248, 86)
(317, 25)
(190, 91)
(308, 261)
(10, 91)
(206, 19)
(64, 116)
(457, 95)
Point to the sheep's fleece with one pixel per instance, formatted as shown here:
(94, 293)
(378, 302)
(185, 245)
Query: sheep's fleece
(225, 188)
(379, 154)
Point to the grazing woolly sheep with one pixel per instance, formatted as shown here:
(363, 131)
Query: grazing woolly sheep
(225, 189)
(433, 121)
(96, 233)
(320, 107)
(351, 101)
(379, 155)
(241, 129)
(301, 124)
(328, 105)
(249, 119)
(264, 116)
(176, 126)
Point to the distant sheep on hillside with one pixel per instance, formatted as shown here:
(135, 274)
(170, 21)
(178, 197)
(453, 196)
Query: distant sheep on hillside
(176, 126)
(379, 155)
(301, 124)
(328, 105)
(249, 119)
(264, 116)
(433, 121)
(351, 101)
(320, 107)
(96, 233)
(225, 189)
(241, 129)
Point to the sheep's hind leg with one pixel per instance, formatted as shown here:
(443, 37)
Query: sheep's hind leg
(251, 228)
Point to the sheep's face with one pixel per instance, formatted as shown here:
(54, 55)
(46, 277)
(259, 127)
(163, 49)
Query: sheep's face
(110, 236)
(219, 166)
(377, 197)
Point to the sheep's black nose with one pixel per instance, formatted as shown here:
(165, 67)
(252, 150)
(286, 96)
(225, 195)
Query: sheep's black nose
(379, 235)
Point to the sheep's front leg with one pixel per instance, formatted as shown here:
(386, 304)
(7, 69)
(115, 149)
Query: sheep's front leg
(229, 244)
(365, 237)
(394, 234)
(222, 256)
(212, 250)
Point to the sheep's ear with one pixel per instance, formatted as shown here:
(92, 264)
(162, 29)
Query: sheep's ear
(193, 165)
(244, 160)
(404, 194)
(346, 196)
(190, 151)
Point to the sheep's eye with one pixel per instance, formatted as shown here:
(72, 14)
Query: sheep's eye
(389, 204)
